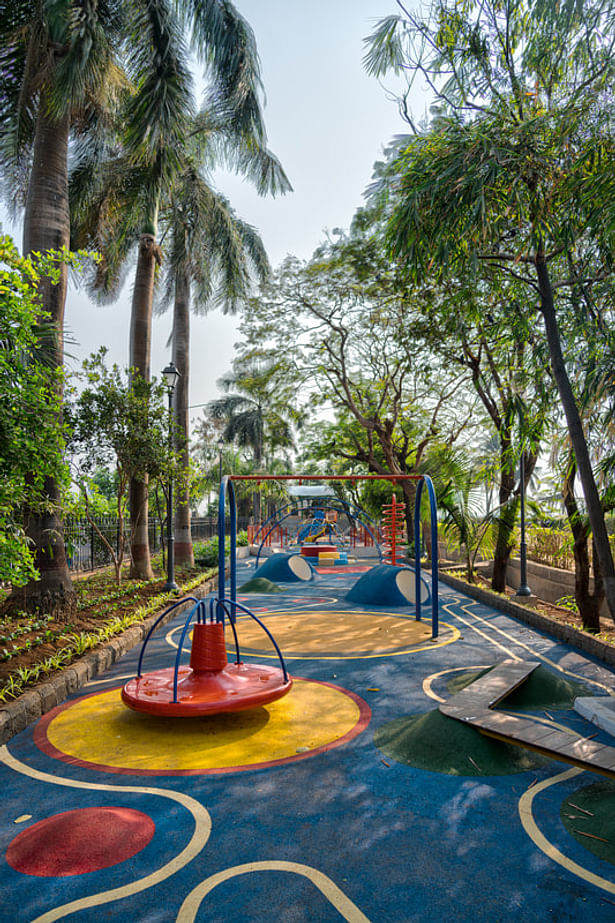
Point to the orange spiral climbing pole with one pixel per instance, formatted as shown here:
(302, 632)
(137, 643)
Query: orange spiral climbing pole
(393, 529)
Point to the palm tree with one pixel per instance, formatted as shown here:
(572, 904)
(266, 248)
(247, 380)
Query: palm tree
(59, 69)
(212, 256)
(124, 202)
(252, 416)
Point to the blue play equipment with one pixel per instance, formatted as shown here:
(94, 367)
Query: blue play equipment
(421, 481)
(285, 566)
(315, 528)
(388, 585)
(210, 684)
(325, 504)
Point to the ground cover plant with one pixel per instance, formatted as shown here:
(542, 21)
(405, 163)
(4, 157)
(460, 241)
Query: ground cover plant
(33, 648)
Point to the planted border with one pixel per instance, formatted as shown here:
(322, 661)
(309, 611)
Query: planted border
(80, 643)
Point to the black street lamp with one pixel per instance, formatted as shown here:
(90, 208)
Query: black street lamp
(171, 376)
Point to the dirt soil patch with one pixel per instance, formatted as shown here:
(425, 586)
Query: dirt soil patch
(28, 641)
(559, 613)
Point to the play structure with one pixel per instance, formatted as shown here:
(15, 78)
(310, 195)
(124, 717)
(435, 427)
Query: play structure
(420, 594)
(328, 525)
(393, 527)
(210, 684)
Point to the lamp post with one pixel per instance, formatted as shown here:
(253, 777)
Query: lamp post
(171, 376)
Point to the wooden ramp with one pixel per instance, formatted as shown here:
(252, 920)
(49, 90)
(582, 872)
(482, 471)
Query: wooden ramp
(474, 703)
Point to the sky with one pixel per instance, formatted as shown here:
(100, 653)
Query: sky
(327, 121)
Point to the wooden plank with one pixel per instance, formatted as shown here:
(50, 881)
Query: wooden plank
(474, 703)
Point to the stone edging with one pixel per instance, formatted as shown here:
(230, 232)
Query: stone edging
(17, 715)
(579, 639)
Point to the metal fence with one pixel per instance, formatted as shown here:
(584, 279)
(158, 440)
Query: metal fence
(86, 550)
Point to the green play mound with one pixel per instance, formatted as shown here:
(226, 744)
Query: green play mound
(594, 830)
(260, 585)
(459, 681)
(434, 742)
(544, 688)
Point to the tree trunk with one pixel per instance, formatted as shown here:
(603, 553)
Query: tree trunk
(140, 359)
(181, 356)
(47, 227)
(506, 515)
(588, 603)
(577, 436)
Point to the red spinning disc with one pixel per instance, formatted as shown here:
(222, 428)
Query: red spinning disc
(210, 684)
(234, 688)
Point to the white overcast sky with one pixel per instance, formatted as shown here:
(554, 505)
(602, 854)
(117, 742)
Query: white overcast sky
(327, 121)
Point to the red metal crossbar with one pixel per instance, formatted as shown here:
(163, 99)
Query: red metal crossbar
(325, 477)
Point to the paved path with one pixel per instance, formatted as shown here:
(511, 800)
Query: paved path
(352, 798)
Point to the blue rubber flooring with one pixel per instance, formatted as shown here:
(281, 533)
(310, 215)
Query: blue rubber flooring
(342, 833)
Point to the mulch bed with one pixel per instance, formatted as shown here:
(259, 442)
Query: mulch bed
(560, 614)
(100, 601)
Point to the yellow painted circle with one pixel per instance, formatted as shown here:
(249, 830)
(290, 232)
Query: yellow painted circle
(338, 634)
(98, 730)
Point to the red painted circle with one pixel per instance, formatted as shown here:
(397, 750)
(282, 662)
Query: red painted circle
(76, 842)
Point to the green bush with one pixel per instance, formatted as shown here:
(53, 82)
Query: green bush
(206, 553)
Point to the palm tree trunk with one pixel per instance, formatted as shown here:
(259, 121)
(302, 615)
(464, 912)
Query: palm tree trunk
(577, 436)
(181, 356)
(140, 359)
(258, 460)
(47, 227)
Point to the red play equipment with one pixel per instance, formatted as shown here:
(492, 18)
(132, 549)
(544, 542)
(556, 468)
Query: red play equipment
(393, 528)
(210, 684)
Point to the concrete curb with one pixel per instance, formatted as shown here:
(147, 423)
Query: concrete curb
(34, 703)
(579, 639)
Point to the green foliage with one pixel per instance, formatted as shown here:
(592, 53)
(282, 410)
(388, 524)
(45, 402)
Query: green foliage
(121, 422)
(79, 642)
(206, 552)
(255, 411)
(463, 523)
(31, 434)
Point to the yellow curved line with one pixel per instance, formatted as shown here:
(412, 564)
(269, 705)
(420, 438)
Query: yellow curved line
(344, 906)
(199, 838)
(518, 643)
(427, 682)
(425, 645)
(540, 840)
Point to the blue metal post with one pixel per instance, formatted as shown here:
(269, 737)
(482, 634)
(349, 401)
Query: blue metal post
(434, 551)
(226, 486)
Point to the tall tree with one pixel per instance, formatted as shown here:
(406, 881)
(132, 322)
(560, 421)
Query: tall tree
(344, 330)
(58, 62)
(126, 200)
(253, 411)
(483, 329)
(212, 258)
(501, 176)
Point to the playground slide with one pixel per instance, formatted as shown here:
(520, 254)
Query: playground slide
(311, 531)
